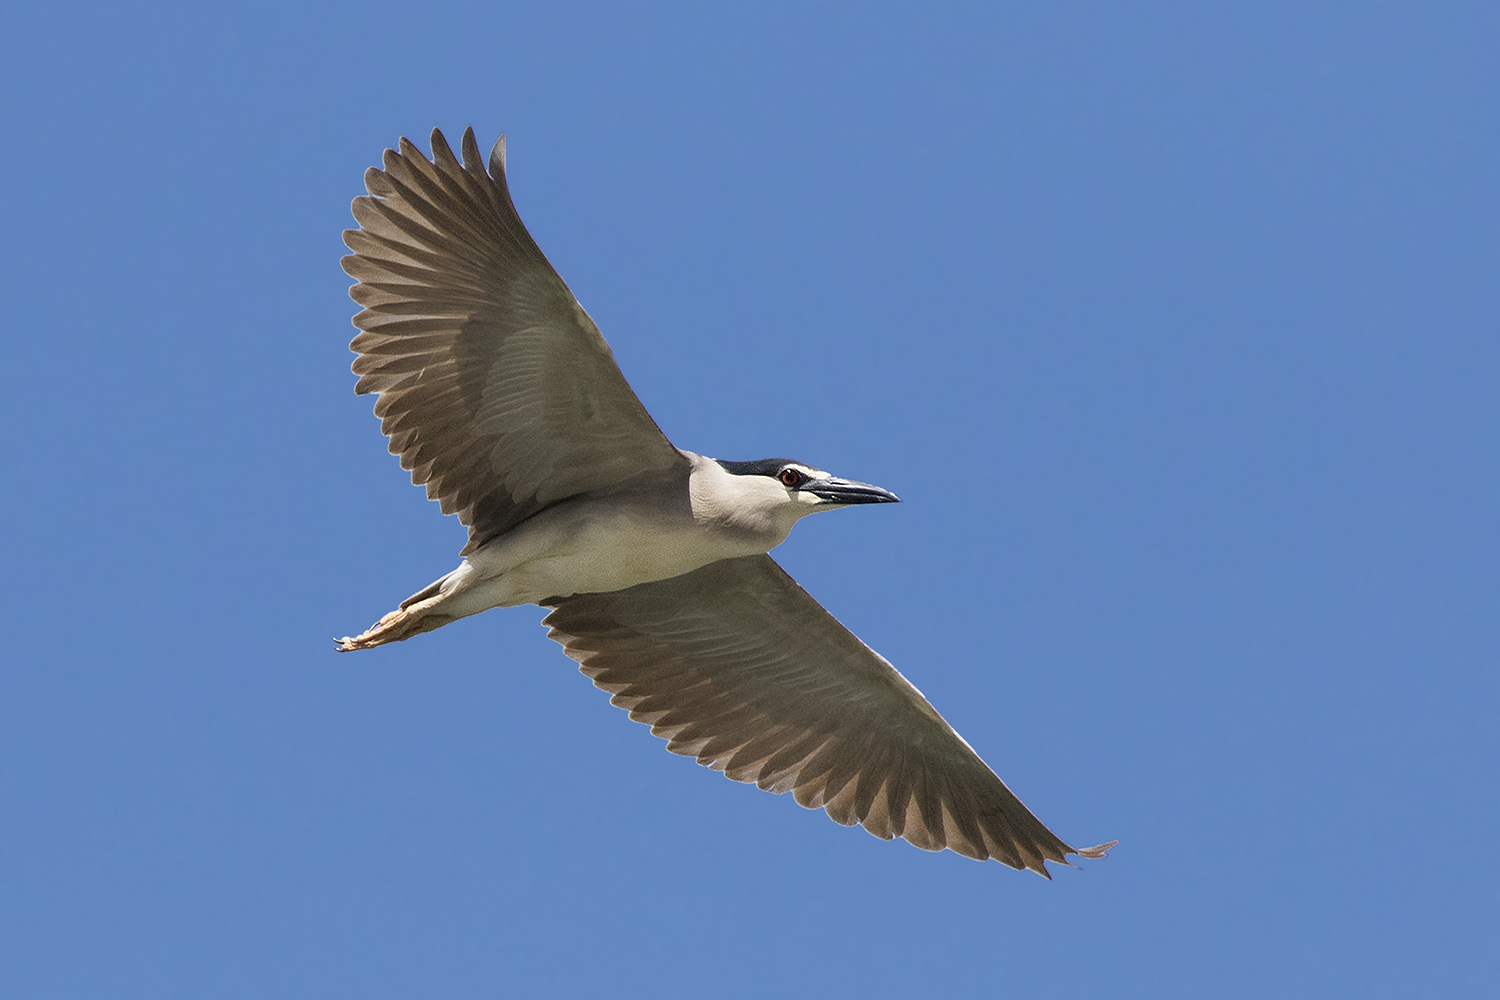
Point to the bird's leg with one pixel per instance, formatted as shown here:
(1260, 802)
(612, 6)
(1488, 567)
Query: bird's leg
(399, 624)
(417, 614)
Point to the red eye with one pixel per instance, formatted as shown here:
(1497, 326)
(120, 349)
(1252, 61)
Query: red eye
(791, 477)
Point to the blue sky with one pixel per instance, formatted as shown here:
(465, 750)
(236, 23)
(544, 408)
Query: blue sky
(1175, 327)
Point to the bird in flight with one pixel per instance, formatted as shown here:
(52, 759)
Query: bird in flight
(498, 393)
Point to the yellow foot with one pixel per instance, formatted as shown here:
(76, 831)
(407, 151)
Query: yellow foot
(398, 625)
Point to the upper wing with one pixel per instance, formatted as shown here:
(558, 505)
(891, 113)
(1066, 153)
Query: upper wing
(496, 388)
(735, 664)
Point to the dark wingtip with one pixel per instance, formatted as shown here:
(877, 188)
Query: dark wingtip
(497, 157)
(470, 150)
(1096, 852)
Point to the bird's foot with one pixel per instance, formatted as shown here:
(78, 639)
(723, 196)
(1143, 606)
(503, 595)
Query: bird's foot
(388, 629)
(402, 623)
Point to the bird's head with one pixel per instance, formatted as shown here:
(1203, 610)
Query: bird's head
(796, 489)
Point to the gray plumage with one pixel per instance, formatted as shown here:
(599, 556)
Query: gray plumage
(500, 395)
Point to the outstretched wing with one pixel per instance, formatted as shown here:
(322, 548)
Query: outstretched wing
(495, 387)
(736, 665)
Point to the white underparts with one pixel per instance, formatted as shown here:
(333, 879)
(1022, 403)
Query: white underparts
(612, 542)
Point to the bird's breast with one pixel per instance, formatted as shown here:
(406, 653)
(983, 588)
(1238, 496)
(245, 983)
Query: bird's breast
(595, 546)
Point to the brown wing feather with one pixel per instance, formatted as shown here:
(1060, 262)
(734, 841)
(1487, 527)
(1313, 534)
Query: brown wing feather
(495, 387)
(736, 665)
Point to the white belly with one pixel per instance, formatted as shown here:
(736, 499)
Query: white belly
(574, 549)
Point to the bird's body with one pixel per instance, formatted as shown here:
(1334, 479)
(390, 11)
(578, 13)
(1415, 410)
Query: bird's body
(608, 541)
(498, 391)
(605, 540)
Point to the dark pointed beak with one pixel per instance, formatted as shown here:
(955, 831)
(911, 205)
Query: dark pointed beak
(847, 491)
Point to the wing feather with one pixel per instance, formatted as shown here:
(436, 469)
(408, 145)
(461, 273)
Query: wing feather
(495, 388)
(736, 665)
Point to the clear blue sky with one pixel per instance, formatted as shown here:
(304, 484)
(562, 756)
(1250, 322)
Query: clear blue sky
(1175, 326)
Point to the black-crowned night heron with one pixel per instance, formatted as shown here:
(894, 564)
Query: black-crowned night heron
(498, 392)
